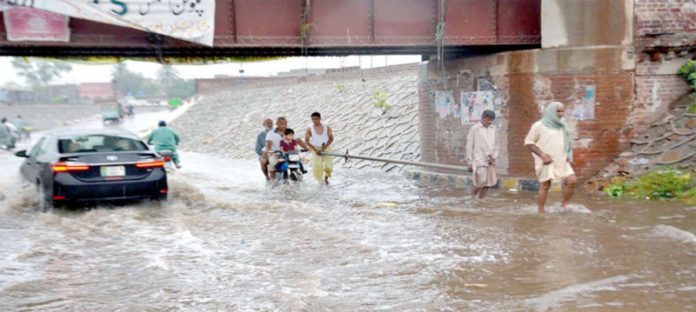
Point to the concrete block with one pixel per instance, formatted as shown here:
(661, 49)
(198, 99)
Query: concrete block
(529, 185)
(424, 178)
(509, 183)
(463, 182)
(555, 187)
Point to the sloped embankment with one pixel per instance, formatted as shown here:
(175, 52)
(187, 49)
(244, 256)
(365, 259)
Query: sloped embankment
(228, 122)
(670, 141)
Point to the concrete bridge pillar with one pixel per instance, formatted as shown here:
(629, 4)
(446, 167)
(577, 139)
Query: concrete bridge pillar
(587, 60)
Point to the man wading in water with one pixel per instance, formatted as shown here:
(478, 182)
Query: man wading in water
(319, 138)
(549, 142)
(481, 154)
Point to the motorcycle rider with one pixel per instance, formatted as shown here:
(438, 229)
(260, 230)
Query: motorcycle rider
(165, 139)
(21, 127)
(6, 140)
(273, 138)
(261, 144)
(131, 109)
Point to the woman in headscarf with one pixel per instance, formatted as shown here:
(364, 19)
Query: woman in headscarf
(549, 142)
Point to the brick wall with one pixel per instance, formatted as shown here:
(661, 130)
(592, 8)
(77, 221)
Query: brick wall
(443, 139)
(654, 94)
(654, 17)
(665, 38)
(597, 141)
(526, 88)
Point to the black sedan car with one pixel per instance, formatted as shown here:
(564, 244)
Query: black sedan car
(77, 166)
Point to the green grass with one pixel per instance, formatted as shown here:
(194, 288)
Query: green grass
(380, 97)
(659, 184)
(691, 108)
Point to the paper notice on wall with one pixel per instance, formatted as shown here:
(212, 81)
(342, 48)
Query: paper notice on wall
(585, 109)
(25, 24)
(190, 20)
(483, 84)
(444, 102)
(474, 103)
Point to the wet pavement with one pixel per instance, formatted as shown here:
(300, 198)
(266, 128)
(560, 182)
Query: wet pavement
(370, 241)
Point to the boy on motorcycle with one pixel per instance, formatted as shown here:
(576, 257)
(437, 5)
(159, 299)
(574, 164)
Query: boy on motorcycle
(287, 145)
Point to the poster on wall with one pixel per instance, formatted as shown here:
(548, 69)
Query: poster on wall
(585, 110)
(483, 84)
(25, 24)
(188, 20)
(444, 103)
(474, 103)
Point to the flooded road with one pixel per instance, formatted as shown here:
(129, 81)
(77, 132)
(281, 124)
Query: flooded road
(227, 241)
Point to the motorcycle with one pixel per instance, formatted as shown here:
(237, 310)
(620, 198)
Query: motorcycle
(168, 158)
(290, 168)
(25, 133)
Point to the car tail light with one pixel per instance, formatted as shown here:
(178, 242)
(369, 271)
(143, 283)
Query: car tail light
(167, 158)
(69, 166)
(58, 197)
(150, 163)
(164, 191)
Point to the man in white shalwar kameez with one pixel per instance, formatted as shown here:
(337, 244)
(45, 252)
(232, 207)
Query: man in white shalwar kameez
(481, 154)
(549, 142)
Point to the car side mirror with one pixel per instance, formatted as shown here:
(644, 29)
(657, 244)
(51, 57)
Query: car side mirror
(22, 153)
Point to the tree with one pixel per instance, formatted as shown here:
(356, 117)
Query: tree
(127, 82)
(39, 73)
(183, 88)
(173, 85)
(168, 76)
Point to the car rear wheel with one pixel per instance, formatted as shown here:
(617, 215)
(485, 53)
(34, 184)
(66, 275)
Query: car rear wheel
(44, 204)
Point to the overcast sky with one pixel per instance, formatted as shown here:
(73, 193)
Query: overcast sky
(102, 73)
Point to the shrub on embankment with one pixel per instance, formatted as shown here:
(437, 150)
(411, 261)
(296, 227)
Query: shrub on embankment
(688, 72)
(658, 184)
(227, 123)
(661, 162)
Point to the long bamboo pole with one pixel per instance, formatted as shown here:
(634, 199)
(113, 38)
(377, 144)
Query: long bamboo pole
(396, 161)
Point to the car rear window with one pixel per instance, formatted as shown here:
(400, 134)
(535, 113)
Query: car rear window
(99, 143)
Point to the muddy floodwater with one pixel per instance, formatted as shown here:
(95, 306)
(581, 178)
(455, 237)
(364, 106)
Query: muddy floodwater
(226, 241)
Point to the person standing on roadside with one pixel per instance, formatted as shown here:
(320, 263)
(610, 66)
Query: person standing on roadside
(481, 154)
(261, 144)
(549, 142)
(319, 138)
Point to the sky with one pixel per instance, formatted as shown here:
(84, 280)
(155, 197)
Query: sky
(102, 73)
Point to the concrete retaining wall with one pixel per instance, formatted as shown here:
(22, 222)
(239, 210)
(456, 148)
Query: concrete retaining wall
(47, 116)
(227, 123)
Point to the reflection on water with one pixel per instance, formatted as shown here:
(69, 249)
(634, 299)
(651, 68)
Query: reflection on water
(227, 241)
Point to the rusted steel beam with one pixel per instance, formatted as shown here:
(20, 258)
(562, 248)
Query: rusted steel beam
(366, 26)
